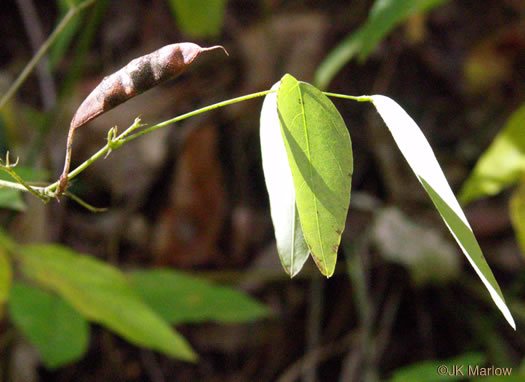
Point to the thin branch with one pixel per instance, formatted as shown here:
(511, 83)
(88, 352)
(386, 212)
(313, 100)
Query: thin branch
(317, 356)
(84, 204)
(12, 185)
(114, 142)
(313, 327)
(8, 167)
(195, 112)
(73, 11)
(36, 37)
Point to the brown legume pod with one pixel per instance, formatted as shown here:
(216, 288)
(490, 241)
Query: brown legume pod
(141, 74)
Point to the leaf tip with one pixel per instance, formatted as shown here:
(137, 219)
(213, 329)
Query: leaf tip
(328, 274)
(509, 318)
(191, 357)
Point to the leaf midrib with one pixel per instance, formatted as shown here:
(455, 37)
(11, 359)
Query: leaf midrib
(310, 167)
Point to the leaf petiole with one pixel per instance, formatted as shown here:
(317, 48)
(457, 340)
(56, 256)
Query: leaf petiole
(353, 98)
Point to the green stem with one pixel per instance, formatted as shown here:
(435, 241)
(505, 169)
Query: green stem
(41, 192)
(114, 143)
(12, 185)
(26, 186)
(87, 206)
(43, 50)
(353, 98)
(104, 150)
(196, 112)
(82, 167)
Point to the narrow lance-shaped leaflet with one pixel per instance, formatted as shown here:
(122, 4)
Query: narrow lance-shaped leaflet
(141, 74)
(419, 155)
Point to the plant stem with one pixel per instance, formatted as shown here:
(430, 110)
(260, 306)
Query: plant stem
(116, 142)
(196, 112)
(27, 187)
(353, 98)
(104, 150)
(43, 50)
(13, 185)
(124, 137)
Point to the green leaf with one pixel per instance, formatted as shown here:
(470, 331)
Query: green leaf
(57, 330)
(483, 328)
(419, 155)
(199, 18)
(291, 245)
(102, 294)
(517, 215)
(384, 16)
(504, 374)
(437, 371)
(320, 158)
(6, 276)
(7, 242)
(179, 298)
(501, 165)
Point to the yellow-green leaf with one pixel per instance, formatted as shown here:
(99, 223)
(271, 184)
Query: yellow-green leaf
(384, 16)
(102, 294)
(517, 215)
(179, 297)
(438, 370)
(199, 18)
(320, 157)
(502, 164)
(6, 276)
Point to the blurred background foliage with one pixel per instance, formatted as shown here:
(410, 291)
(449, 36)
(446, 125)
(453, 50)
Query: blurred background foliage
(190, 199)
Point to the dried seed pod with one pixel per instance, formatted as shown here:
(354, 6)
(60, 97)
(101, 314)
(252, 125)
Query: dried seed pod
(141, 74)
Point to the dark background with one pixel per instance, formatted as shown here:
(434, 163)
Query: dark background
(192, 196)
